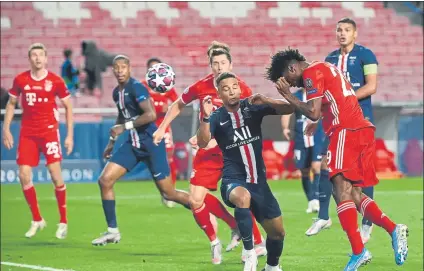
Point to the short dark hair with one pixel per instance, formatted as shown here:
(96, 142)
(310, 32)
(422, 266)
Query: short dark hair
(152, 59)
(223, 76)
(347, 20)
(218, 52)
(281, 61)
(67, 53)
(121, 57)
(218, 45)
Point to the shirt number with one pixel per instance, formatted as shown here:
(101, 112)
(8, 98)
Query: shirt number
(53, 149)
(346, 91)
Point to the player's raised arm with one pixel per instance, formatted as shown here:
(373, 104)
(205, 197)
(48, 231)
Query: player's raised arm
(204, 132)
(278, 107)
(173, 111)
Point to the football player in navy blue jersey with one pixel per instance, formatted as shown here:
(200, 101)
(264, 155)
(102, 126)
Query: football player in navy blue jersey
(136, 114)
(237, 129)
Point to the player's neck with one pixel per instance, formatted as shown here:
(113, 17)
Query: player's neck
(232, 108)
(347, 49)
(39, 73)
(122, 85)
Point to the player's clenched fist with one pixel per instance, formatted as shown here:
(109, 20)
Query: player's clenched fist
(158, 136)
(7, 139)
(258, 99)
(207, 106)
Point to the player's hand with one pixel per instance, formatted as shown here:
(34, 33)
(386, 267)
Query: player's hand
(107, 153)
(287, 133)
(207, 106)
(116, 130)
(257, 99)
(7, 139)
(282, 86)
(310, 128)
(193, 142)
(69, 144)
(158, 136)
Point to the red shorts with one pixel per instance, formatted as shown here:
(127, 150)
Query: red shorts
(29, 148)
(352, 153)
(207, 168)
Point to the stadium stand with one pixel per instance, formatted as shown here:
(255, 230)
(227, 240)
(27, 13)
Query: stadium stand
(179, 32)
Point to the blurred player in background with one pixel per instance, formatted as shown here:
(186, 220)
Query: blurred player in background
(236, 127)
(161, 102)
(307, 153)
(38, 89)
(359, 65)
(351, 149)
(136, 114)
(208, 163)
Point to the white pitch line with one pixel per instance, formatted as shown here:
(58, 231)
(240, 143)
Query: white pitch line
(34, 267)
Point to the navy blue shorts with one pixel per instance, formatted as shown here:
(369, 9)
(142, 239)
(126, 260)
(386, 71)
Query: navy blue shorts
(263, 204)
(305, 156)
(154, 156)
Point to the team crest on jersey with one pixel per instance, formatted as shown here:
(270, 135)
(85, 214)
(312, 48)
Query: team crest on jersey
(308, 83)
(48, 85)
(246, 113)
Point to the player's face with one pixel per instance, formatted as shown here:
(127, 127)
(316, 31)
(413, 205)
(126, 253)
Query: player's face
(229, 91)
(37, 59)
(121, 69)
(293, 75)
(346, 34)
(220, 64)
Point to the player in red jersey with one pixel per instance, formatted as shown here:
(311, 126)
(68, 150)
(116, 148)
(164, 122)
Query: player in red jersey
(351, 150)
(208, 163)
(161, 102)
(38, 89)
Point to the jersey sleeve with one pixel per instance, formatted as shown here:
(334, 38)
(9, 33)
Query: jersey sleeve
(15, 91)
(172, 95)
(370, 62)
(61, 89)
(189, 94)
(313, 81)
(140, 92)
(245, 89)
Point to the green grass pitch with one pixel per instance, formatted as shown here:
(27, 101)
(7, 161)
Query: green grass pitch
(156, 238)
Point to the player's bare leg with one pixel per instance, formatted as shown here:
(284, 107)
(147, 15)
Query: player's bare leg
(346, 210)
(398, 232)
(60, 192)
(241, 198)
(274, 242)
(110, 174)
(325, 188)
(172, 167)
(25, 177)
(168, 191)
(202, 216)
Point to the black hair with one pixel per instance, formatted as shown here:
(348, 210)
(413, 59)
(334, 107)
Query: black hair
(153, 59)
(347, 20)
(218, 52)
(121, 57)
(67, 53)
(281, 61)
(223, 76)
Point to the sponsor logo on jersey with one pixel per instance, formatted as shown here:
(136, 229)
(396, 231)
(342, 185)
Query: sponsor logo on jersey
(312, 91)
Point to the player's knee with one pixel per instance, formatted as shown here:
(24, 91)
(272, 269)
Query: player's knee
(278, 235)
(242, 200)
(106, 181)
(25, 177)
(305, 172)
(195, 202)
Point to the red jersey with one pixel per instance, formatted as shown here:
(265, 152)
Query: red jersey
(160, 100)
(38, 100)
(340, 107)
(205, 87)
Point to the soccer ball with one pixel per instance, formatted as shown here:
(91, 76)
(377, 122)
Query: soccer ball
(160, 77)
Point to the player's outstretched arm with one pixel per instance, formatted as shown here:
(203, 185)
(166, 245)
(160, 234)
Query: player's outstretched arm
(10, 112)
(173, 111)
(69, 140)
(281, 107)
(311, 109)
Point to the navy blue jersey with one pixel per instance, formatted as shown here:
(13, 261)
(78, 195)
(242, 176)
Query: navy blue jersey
(127, 101)
(353, 65)
(239, 136)
(300, 139)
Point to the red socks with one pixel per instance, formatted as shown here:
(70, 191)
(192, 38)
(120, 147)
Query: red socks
(201, 215)
(60, 192)
(215, 206)
(31, 198)
(173, 168)
(370, 211)
(348, 217)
